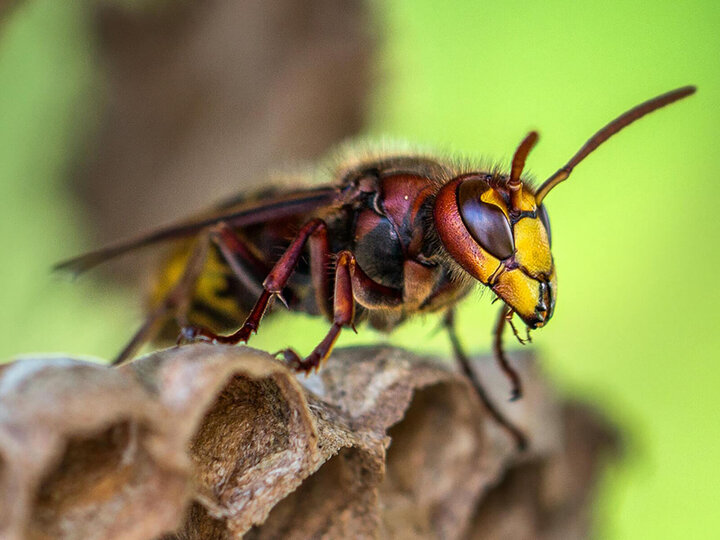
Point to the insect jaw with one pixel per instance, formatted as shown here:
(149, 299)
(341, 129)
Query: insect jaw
(532, 299)
(545, 307)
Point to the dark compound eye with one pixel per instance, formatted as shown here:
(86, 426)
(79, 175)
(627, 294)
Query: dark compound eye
(543, 215)
(486, 222)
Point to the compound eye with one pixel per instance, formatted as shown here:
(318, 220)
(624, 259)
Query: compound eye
(486, 222)
(545, 220)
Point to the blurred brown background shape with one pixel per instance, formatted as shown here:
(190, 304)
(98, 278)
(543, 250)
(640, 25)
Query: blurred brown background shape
(202, 99)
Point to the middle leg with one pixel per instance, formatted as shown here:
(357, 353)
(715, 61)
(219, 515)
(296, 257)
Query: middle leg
(351, 283)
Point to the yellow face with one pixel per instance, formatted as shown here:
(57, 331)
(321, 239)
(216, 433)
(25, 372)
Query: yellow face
(527, 281)
(507, 249)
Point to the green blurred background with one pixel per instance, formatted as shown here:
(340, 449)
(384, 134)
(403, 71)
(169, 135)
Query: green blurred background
(635, 232)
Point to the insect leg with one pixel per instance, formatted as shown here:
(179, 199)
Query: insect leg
(343, 315)
(273, 285)
(463, 360)
(503, 317)
(232, 246)
(351, 284)
(174, 301)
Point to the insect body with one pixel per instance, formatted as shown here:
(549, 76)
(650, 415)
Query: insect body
(388, 237)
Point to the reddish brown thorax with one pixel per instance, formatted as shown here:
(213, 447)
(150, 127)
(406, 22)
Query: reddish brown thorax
(403, 197)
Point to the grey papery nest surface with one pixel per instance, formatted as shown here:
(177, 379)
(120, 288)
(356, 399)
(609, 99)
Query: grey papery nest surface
(210, 441)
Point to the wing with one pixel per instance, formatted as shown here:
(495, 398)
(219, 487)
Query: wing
(278, 206)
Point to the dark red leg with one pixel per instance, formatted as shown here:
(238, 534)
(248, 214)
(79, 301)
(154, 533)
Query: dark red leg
(320, 265)
(273, 285)
(232, 246)
(351, 284)
(343, 315)
(464, 361)
(503, 318)
(522, 341)
(175, 301)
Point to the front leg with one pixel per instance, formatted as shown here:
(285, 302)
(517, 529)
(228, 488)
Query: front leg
(504, 317)
(350, 283)
(470, 373)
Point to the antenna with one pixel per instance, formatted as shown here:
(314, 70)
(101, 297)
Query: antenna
(518, 163)
(608, 131)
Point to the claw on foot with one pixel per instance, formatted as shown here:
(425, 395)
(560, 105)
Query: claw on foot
(515, 330)
(280, 297)
(298, 364)
(191, 334)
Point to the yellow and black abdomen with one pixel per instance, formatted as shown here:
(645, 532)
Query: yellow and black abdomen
(218, 301)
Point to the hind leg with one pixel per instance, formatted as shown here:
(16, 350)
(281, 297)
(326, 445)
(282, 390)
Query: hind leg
(240, 256)
(313, 232)
(175, 301)
(246, 264)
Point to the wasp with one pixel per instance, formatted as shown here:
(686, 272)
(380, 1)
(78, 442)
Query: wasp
(383, 238)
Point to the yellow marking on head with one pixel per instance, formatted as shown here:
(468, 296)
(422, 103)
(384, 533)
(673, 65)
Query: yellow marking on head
(519, 291)
(493, 197)
(532, 247)
(527, 203)
(484, 268)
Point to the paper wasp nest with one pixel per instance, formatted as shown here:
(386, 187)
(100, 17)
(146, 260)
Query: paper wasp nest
(210, 442)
